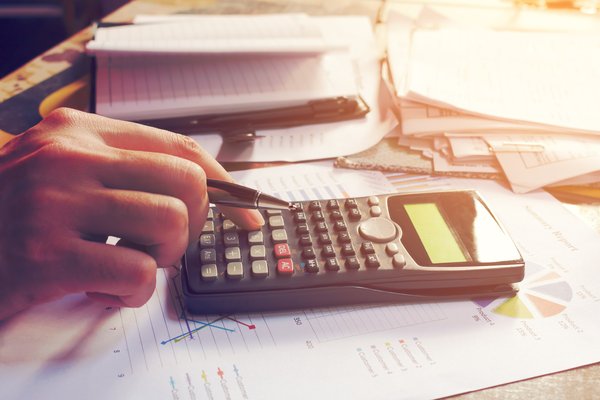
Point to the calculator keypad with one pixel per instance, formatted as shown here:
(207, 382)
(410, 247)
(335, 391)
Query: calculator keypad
(329, 240)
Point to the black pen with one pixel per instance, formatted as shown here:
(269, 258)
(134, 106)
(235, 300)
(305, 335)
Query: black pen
(234, 195)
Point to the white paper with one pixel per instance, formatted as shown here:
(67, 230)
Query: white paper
(213, 34)
(74, 348)
(547, 78)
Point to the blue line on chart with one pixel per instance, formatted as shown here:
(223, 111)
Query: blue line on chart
(183, 335)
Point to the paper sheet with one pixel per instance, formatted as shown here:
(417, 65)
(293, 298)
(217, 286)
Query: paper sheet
(74, 348)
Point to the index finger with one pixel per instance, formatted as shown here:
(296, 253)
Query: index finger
(137, 137)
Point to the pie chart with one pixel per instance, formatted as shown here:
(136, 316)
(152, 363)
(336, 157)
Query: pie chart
(543, 293)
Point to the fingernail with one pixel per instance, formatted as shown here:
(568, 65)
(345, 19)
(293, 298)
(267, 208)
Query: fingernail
(257, 218)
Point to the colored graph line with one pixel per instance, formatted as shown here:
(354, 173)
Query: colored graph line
(249, 326)
(179, 338)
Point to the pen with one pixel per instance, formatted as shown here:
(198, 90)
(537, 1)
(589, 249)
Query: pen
(234, 195)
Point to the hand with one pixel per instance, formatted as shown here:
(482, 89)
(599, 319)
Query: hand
(77, 176)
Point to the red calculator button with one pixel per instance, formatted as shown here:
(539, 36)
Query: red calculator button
(285, 266)
(282, 250)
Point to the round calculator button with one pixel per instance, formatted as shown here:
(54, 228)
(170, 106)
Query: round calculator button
(378, 230)
(398, 260)
(375, 211)
(373, 200)
(391, 249)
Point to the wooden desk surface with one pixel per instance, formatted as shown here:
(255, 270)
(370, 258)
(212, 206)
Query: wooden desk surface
(578, 383)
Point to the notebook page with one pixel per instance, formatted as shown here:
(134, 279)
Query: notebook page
(149, 87)
(288, 33)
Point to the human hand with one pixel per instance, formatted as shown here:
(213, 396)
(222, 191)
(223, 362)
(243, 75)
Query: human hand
(77, 176)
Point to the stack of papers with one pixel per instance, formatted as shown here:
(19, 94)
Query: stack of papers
(513, 102)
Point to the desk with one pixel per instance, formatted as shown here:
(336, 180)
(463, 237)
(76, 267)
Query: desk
(578, 383)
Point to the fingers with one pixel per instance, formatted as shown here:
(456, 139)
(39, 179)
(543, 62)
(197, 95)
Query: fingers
(110, 273)
(159, 223)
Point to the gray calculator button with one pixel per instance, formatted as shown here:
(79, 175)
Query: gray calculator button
(233, 254)
(208, 256)
(235, 270)
(209, 227)
(276, 221)
(273, 212)
(258, 252)
(373, 200)
(207, 240)
(260, 268)
(398, 260)
(279, 236)
(391, 249)
(375, 211)
(379, 230)
(210, 215)
(229, 226)
(208, 272)
(231, 239)
(255, 237)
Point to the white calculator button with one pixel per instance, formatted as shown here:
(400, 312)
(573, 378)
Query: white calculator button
(210, 215)
(375, 211)
(255, 237)
(373, 200)
(235, 270)
(273, 212)
(258, 252)
(229, 226)
(391, 249)
(209, 227)
(398, 260)
(233, 254)
(260, 268)
(379, 230)
(208, 272)
(279, 236)
(276, 221)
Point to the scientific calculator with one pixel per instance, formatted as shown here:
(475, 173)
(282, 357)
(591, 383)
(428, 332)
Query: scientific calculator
(377, 249)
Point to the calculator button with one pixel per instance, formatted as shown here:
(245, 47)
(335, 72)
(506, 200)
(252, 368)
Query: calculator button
(255, 237)
(351, 263)
(210, 215)
(231, 239)
(270, 212)
(332, 205)
(305, 240)
(375, 211)
(233, 254)
(350, 204)
(343, 237)
(398, 260)
(373, 201)
(367, 248)
(321, 227)
(257, 252)
(331, 264)
(299, 217)
(208, 227)
(279, 236)
(311, 265)
(324, 238)
(328, 251)
(391, 249)
(235, 270)
(282, 250)
(314, 206)
(208, 272)
(207, 240)
(348, 250)
(372, 261)
(301, 229)
(229, 226)
(285, 266)
(336, 215)
(317, 216)
(276, 221)
(308, 253)
(379, 230)
(297, 206)
(208, 256)
(260, 268)
(354, 214)
(339, 226)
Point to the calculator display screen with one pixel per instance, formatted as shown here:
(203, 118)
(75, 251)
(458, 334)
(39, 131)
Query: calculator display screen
(450, 228)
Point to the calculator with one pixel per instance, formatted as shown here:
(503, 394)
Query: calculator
(376, 249)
